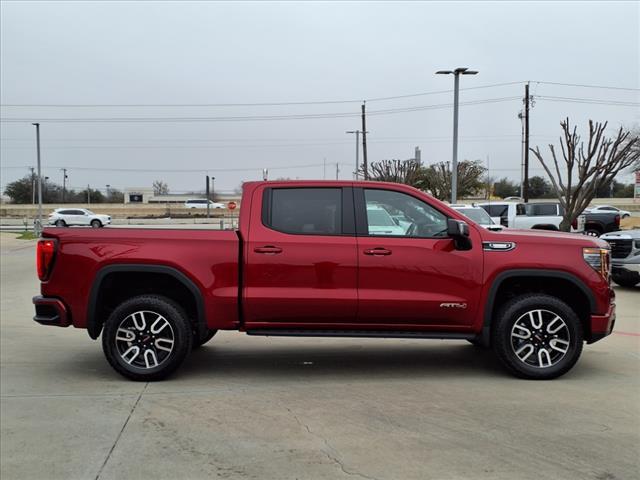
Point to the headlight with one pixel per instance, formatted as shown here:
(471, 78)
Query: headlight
(599, 259)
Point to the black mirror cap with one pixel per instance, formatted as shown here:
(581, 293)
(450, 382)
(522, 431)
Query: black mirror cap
(459, 231)
(457, 228)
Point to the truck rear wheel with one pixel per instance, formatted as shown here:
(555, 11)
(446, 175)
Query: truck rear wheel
(146, 338)
(537, 337)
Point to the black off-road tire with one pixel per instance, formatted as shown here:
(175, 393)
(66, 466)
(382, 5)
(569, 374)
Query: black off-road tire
(476, 342)
(180, 328)
(518, 308)
(198, 342)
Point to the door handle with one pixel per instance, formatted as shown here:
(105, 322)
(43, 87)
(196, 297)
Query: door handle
(378, 251)
(268, 249)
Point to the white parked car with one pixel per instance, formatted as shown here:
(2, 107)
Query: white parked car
(382, 223)
(608, 209)
(478, 215)
(202, 203)
(66, 217)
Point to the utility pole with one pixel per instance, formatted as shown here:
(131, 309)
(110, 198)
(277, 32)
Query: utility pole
(33, 186)
(337, 170)
(525, 186)
(64, 183)
(213, 190)
(456, 93)
(38, 223)
(88, 194)
(207, 189)
(364, 143)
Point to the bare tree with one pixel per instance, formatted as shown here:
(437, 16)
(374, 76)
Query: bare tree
(587, 167)
(160, 188)
(408, 172)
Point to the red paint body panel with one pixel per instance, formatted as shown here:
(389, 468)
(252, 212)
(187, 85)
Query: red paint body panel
(208, 258)
(325, 282)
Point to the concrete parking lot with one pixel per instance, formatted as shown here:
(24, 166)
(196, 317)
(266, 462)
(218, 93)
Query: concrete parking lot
(278, 408)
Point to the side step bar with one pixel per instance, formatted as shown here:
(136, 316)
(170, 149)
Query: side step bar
(360, 334)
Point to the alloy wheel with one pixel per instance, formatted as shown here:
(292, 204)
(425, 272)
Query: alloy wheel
(540, 338)
(144, 339)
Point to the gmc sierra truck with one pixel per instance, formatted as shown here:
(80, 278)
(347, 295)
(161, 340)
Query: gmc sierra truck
(312, 259)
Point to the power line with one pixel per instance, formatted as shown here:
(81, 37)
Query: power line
(255, 104)
(251, 117)
(593, 101)
(587, 86)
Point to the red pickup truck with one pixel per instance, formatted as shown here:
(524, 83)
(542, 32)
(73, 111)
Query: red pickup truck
(329, 259)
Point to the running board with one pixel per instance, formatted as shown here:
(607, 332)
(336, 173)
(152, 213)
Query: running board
(361, 334)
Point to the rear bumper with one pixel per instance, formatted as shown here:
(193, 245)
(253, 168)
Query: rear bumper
(51, 311)
(602, 325)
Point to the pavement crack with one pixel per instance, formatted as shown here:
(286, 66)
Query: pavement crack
(124, 425)
(329, 451)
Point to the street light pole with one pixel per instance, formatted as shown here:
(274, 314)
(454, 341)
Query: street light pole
(456, 93)
(38, 224)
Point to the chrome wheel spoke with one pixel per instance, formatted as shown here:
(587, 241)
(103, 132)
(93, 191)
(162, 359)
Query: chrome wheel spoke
(535, 317)
(150, 358)
(559, 345)
(131, 354)
(125, 335)
(521, 332)
(159, 324)
(165, 344)
(544, 359)
(555, 325)
(139, 321)
(525, 351)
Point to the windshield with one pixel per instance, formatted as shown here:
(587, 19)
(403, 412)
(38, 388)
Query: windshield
(478, 215)
(89, 212)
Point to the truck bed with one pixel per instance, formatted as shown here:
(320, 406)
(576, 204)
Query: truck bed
(209, 259)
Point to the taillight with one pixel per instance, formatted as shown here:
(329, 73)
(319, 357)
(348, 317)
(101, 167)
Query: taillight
(45, 255)
(617, 220)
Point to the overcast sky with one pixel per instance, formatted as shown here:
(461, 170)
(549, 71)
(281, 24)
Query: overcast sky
(203, 53)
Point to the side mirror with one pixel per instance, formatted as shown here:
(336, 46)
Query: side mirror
(459, 231)
(457, 228)
(396, 221)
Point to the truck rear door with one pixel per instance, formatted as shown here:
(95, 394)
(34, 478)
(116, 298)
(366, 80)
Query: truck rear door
(300, 257)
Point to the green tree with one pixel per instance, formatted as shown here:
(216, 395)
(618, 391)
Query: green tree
(504, 188)
(437, 179)
(21, 191)
(538, 187)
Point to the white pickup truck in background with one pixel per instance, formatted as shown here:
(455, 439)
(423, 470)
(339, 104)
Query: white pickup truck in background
(542, 216)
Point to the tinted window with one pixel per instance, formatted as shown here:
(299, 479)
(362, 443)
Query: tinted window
(609, 208)
(397, 214)
(496, 210)
(66, 212)
(311, 211)
(540, 209)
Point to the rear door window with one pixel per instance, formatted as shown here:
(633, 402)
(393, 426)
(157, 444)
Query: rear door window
(307, 211)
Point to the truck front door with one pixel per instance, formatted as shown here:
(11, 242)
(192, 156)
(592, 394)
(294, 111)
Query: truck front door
(410, 274)
(301, 258)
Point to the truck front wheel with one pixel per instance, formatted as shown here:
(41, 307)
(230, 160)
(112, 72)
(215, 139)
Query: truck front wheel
(537, 336)
(147, 338)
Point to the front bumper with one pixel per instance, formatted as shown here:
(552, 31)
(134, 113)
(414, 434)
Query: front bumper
(628, 267)
(602, 325)
(51, 311)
